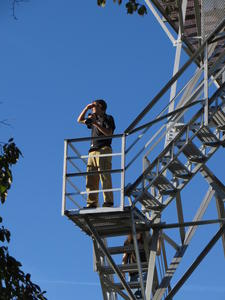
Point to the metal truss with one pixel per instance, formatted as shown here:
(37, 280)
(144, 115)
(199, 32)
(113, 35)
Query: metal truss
(175, 144)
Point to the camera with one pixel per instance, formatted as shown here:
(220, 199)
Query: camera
(90, 120)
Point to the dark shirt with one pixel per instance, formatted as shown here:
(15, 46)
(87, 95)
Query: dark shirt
(106, 121)
(131, 259)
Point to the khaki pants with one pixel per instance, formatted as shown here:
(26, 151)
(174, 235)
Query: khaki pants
(96, 163)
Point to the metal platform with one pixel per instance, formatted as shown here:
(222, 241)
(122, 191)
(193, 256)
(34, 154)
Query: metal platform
(108, 221)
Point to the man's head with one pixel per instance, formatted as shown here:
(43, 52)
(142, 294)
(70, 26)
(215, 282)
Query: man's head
(99, 106)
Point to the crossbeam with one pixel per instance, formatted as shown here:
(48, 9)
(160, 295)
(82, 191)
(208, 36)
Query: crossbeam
(195, 264)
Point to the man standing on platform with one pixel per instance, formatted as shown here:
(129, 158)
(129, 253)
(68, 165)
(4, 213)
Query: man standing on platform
(103, 125)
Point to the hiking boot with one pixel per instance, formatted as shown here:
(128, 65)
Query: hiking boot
(107, 204)
(90, 206)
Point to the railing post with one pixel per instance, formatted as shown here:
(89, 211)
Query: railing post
(64, 177)
(123, 162)
(206, 87)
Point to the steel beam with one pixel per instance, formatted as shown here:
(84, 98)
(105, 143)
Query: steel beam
(64, 179)
(151, 264)
(123, 166)
(170, 241)
(205, 203)
(182, 6)
(213, 180)
(109, 258)
(221, 214)
(137, 254)
(173, 79)
(192, 223)
(181, 251)
(113, 287)
(180, 216)
(195, 264)
(206, 86)
(97, 261)
(159, 19)
(198, 20)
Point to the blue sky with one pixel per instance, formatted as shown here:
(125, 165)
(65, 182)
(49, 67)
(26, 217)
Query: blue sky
(56, 58)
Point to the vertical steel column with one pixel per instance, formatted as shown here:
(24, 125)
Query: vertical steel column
(97, 260)
(162, 24)
(178, 52)
(123, 162)
(136, 248)
(151, 264)
(206, 87)
(182, 9)
(180, 216)
(64, 177)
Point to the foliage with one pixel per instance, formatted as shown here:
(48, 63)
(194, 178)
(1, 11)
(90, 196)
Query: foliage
(9, 156)
(132, 6)
(14, 283)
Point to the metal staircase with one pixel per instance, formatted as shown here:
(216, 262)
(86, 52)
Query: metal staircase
(160, 154)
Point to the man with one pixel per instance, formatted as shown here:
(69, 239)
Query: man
(130, 258)
(100, 124)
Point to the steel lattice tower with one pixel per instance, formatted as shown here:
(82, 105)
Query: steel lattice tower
(169, 143)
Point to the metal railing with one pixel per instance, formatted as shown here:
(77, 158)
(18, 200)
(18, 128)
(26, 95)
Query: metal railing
(74, 164)
(151, 134)
(187, 100)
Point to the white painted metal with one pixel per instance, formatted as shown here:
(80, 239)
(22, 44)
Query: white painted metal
(64, 179)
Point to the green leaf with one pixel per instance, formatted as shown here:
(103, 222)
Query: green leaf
(142, 10)
(7, 235)
(28, 277)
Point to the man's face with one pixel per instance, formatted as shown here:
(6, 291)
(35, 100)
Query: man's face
(97, 108)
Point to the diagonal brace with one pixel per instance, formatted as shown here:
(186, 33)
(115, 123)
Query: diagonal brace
(195, 264)
(109, 258)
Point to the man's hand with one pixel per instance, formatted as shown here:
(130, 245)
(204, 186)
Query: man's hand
(89, 106)
(81, 118)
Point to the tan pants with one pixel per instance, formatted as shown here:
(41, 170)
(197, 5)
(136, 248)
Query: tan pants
(92, 181)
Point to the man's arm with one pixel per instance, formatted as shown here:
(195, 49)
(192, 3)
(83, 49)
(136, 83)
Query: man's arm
(108, 129)
(81, 118)
(105, 131)
(125, 258)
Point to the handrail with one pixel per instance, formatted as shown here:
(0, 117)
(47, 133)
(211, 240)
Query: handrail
(83, 139)
(173, 79)
(165, 108)
(171, 114)
(166, 149)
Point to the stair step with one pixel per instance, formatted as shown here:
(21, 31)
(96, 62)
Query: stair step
(123, 249)
(219, 119)
(179, 170)
(124, 268)
(193, 154)
(164, 186)
(132, 285)
(149, 201)
(221, 127)
(207, 137)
